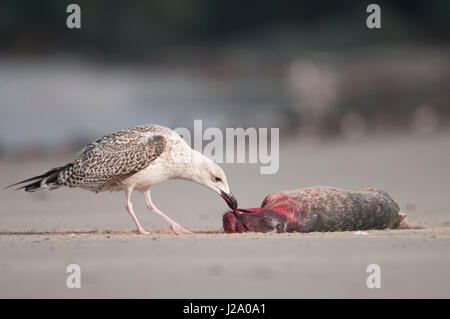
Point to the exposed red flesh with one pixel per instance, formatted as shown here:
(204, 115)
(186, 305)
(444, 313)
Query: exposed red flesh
(317, 208)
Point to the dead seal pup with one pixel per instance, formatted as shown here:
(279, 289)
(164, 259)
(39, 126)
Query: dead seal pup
(320, 209)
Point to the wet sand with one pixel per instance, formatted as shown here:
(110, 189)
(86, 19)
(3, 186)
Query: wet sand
(41, 233)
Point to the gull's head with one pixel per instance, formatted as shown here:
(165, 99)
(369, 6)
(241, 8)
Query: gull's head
(211, 175)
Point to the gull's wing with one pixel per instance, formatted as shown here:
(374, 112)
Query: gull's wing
(113, 158)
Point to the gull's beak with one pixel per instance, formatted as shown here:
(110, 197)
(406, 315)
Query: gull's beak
(233, 204)
(230, 200)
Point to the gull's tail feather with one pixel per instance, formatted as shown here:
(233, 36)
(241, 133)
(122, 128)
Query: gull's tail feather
(45, 180)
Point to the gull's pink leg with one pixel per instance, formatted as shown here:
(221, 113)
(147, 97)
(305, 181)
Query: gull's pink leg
(174, 226)
(129, 207)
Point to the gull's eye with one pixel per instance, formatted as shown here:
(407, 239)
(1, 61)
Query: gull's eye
(217, 179)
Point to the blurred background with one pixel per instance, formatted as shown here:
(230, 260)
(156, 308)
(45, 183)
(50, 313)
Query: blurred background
(356, 107)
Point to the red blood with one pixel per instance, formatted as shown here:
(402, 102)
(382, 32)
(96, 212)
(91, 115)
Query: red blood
(231, 224)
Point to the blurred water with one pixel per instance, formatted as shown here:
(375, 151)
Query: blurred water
(48, 101)
(44, 101)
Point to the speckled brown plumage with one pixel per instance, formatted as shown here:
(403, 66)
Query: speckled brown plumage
(111, 159)
(107, 161)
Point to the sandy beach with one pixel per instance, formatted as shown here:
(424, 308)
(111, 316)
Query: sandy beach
(41, 233)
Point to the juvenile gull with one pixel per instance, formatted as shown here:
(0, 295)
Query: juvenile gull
(136, 158)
